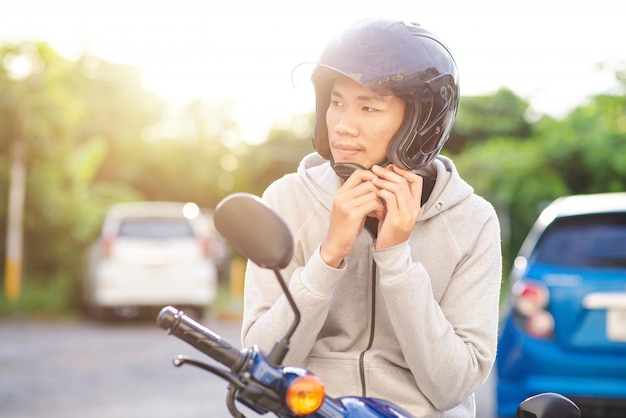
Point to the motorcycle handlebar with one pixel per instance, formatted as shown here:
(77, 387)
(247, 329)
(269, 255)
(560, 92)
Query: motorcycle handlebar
(177, 323)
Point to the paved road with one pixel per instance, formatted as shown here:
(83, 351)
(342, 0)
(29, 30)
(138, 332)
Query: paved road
(61, 369)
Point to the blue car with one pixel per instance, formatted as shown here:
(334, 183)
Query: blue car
(565, 329)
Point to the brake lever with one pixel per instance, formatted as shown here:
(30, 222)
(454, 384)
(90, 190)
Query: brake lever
(230, 402)
(231, 378)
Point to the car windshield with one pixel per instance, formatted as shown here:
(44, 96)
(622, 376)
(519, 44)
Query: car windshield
(155, 228)
(597, 240)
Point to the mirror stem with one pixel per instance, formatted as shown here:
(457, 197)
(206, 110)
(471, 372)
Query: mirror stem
(280, 349)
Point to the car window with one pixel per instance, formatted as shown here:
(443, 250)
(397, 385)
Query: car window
(155, 228)
(597, 240)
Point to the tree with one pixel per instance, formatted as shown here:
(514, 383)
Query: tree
(482, 117)
(582, 153)
(280, 154)
(68, 114)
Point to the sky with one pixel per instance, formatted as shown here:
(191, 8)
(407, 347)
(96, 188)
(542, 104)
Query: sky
(546, 51)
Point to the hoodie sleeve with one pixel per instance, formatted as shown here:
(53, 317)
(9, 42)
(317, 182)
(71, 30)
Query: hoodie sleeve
(448, 343)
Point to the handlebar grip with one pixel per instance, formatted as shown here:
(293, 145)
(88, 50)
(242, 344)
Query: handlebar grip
(177, 323)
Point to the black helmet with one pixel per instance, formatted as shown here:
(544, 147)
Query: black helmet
(393, 58)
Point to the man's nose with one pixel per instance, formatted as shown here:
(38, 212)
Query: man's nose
(347, 124)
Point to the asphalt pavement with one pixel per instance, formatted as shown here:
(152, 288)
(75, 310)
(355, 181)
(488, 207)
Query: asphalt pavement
(52, 368)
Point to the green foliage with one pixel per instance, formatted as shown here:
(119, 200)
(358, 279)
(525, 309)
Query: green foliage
(583, 153)
(48, 108)
(53, 296)
(589, 146)
(280, 154)
(481, 117)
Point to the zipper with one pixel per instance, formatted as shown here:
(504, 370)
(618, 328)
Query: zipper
(372, 329)
(371, 226)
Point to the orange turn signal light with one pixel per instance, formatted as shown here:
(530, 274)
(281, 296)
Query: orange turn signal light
(305, 395)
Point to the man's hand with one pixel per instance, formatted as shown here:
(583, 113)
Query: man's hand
(358, 197)
(391, 194)
(401, 192)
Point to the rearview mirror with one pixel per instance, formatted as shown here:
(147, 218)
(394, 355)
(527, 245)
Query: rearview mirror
(548, 405)
(255, 230)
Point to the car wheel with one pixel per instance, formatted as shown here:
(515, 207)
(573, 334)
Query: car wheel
(98, 313)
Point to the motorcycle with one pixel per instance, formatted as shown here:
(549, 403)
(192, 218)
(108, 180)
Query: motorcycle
(258, 380)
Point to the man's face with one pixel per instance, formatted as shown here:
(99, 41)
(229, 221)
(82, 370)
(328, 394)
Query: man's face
(360, 123)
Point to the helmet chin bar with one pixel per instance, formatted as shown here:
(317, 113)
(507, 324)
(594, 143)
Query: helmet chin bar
(345, 170)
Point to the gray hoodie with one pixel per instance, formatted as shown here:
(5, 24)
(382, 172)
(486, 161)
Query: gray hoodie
(414, 324)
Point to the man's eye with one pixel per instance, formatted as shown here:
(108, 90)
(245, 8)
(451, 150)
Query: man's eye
(336, 103)
(370, 109)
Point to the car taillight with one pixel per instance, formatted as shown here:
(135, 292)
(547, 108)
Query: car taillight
(205, 246)
(529, 297)
(540, 324)
(531, 301)
(107, 244)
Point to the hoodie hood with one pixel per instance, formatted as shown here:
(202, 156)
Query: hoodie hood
(449, 190)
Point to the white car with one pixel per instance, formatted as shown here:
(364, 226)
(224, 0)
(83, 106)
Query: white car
(150, 254)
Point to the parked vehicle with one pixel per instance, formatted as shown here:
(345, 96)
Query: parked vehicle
(219, 250)
(150, 254)
(565, 330)
(257, 379)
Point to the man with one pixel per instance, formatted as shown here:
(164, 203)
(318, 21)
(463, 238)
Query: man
(397, 264)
